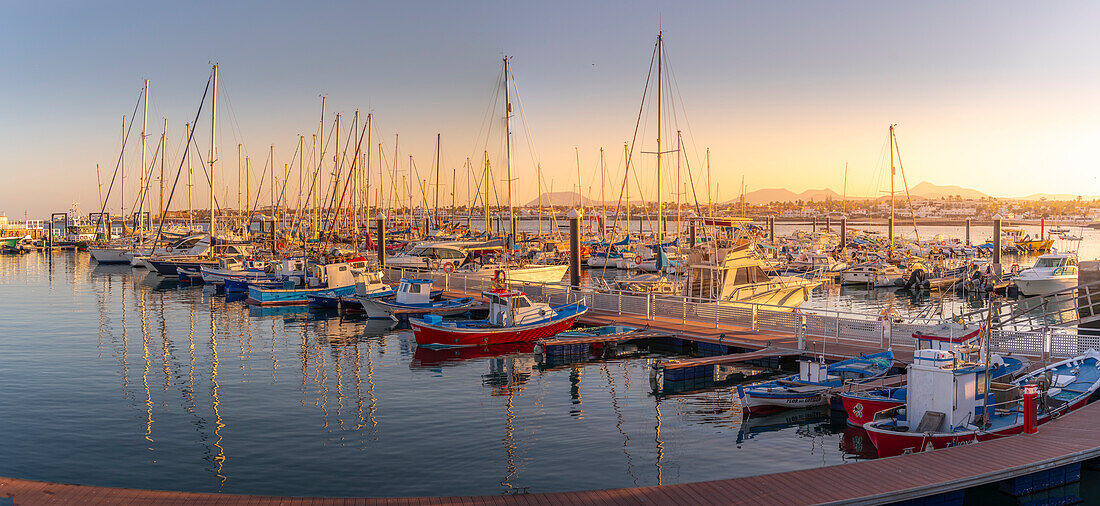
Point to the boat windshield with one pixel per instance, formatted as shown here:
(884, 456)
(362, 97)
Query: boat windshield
(1050, 262)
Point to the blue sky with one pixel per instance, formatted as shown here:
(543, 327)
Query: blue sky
(999, 96)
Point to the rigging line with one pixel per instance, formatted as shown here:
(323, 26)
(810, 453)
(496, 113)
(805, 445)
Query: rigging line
(160, 227)
(204, 171)
(905, 184)
(148, 179)
(630, 155)
(336, 174)
(286, 178)
(121, 151)
(486, 121)
(351, 172)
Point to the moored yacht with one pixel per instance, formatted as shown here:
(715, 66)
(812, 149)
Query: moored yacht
(1051, 273)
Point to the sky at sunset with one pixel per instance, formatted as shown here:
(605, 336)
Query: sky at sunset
(1002, 97)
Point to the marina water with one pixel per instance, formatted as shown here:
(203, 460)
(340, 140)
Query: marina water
(118, 377)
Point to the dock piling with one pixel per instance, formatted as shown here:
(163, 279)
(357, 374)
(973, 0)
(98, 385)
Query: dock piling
(380, 222)
(968, 231)
(814, 224)
(843, 233)
(574, 248)
(771, 229)
(997, 244)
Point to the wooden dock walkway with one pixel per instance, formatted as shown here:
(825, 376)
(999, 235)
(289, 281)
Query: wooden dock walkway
(1074, 438)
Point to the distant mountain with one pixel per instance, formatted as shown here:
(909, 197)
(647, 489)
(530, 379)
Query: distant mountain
(562, 199)
(935, 191)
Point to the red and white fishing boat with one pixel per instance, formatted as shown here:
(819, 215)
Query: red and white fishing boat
(513, 318)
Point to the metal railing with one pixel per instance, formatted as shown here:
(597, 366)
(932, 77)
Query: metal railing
(821, 325)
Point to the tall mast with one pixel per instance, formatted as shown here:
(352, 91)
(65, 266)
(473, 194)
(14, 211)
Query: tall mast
(163, 148)
(660, 105)
(247, 189)
(539, 170)
(144, 124)
(626, 184)
(336, 168)
(122, 187)
(301, 179)
(438, 162)
(508, 144)
(679, 210)
(190, 173)
(366, 187)
(844, 195)
(710, 200)
(238, 176)
(486, 200)
(454, 181)
(213, 138)
(892, 172)
(352, 203)
(317, 175)
(603, 198)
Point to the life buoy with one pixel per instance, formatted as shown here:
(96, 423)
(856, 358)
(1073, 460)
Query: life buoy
(448, 267)
(500, 276)
(637, 260)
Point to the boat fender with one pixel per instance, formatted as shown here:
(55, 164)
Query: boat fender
(448, 267)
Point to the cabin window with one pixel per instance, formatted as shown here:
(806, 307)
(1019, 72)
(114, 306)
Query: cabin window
(343, 268)
(518, 302)
(924, 344)
(414, 288)
(451, 254)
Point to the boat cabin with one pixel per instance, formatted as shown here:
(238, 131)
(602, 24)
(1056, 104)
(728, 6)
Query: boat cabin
(508, 308)
(332, 275)
(414, 291)
(943, 396)
(1064, 263)
(369, 282)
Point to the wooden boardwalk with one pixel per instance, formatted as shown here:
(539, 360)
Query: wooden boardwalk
(1071, 439)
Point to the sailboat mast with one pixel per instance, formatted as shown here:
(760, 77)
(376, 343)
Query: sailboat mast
(539, 170)
(366, 177)
(660, 105)
(190, 173)
(892, 172)
(486, 200)
(508, 144)
(679, 157)
(844, 196)
(238, 176)
(438, 162)
(163, 148)
(144, 124)
(626, 184)
(603, 196)
(320, 142)
(213, 138)
(122, 188)
(710, 199)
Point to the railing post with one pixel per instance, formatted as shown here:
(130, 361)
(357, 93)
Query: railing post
(801, 332)
(754, 308)
(683, 312)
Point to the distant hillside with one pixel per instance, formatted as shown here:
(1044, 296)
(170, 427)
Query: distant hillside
(935, 191)
(562, 199)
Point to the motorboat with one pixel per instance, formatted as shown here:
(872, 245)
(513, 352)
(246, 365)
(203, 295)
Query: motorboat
(233, 268)
(950, 402)
(1051, 273)
(874, 274)
(861, 406)
(513, 318)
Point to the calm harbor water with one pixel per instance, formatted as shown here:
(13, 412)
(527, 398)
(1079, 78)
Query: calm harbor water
(119, 377)
(115, 376)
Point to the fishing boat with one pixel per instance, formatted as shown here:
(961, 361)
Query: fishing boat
(951, 406)
(1051, 273)
(367, 284)
(413, 297)
(862, 406)
(233, 268)
(512, 318)
(813, 384)
(166, 265)
(875, 274)
(332, 277)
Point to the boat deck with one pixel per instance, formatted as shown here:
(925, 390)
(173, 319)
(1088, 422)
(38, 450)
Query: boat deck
(1074, 438)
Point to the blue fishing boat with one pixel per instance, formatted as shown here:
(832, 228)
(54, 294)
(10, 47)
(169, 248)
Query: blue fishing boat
(413, 297)
(242, 285)
(334, 278)
(813, 383)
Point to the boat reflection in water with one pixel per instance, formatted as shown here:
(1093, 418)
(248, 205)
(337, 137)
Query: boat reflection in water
(855, 442)
(801, 420)
(431, 358)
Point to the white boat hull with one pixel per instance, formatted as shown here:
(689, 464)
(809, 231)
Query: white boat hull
(110, 255)
(1040, 286)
